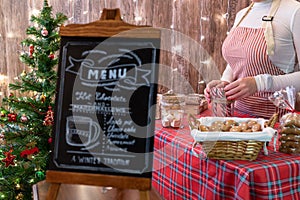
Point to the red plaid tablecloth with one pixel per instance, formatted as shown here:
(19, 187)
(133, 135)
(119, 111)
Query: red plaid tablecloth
(178, 174)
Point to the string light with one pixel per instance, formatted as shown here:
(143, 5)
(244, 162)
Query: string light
(177, 49)
(10, 35)
(206, 62)
(3, 83)
(227, 15)
(204, 18)
(173, 48)
(34, 12)
(138, 18)
(3, 78)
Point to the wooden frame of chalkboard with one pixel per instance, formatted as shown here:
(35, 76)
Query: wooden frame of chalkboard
(105, 104)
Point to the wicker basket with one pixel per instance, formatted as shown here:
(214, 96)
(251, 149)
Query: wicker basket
(228, 150)
(239, 148)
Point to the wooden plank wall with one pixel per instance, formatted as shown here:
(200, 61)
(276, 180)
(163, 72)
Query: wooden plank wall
(192, 33)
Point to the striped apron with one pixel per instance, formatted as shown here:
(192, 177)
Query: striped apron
(245, 49)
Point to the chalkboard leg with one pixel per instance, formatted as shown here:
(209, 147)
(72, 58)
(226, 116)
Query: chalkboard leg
(53, 191)
(144, 195)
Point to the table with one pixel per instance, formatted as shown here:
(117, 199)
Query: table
(80, 192)
(178, 174)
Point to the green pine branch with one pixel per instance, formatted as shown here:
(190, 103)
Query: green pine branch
(22, 121)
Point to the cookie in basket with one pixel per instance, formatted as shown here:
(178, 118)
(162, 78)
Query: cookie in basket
(228, 138)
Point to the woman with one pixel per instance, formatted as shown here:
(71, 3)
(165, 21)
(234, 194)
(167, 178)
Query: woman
(261, 51)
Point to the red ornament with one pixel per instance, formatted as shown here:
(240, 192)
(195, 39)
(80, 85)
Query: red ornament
(50, 140)
(49, 119)
(44, 32)
(31, 50)
(51, 56)
(28, 152)
(9, 160)
(12, 117)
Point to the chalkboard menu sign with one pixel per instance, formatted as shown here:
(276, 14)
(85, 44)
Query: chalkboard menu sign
(105, 104)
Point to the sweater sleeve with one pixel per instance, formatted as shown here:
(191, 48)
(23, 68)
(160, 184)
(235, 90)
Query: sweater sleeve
(266, 82)
(227, 74)
(282, 81)
(295, 27)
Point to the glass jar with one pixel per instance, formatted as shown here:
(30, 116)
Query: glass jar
(172, 110)
(221, 107)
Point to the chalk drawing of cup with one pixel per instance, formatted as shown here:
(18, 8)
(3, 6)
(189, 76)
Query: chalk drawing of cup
(82, 132)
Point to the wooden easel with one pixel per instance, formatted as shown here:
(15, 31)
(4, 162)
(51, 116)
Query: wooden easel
(56, 178)
(109, 25)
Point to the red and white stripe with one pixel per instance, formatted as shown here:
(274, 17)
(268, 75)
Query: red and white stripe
(245, 51)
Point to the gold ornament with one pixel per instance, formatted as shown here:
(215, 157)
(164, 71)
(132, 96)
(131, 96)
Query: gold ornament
(43, 98)
(23, 73)
(31, 144)
(18, 186)
(20, 196)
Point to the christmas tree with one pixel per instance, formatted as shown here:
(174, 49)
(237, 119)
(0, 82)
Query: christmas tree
(26, 121)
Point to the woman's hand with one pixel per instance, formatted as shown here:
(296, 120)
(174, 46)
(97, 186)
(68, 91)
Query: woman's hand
(213, 83)
(241, 88)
